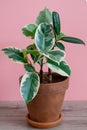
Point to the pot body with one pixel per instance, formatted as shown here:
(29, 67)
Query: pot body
(46, 106)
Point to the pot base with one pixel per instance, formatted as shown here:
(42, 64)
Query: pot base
(43, 125)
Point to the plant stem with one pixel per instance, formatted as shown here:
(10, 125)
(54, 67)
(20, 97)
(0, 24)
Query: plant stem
(49, 75)
(41, 73)
(26, 57)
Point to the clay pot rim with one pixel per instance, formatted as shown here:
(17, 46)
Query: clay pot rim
(48, 84)
(53, 88)
(44, 125)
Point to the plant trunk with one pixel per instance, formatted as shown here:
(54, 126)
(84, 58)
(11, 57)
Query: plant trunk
(41, 73)
(49, 75)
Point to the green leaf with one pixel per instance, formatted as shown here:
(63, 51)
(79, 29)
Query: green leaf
(58, 37)
(31, 47)
(56, 22)
(29, 30)
(34, 52)
(29, 86)
(44, 38)
(15, 54)
(44, 17)
(38, 59)
(55, 55)
(29, 68)
(60, 45)
(62, 68)
(72, 40)
(35, 55)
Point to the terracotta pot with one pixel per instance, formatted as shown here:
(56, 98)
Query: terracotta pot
(45, 109)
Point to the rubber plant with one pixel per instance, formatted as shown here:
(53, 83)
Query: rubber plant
(46, 49)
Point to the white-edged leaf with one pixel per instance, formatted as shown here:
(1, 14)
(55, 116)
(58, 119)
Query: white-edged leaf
(29, 86)
(55, 55)
(29, 30)
(15, 54)
(44, 16)
(44, 38)
(29, 68)
(62, 68)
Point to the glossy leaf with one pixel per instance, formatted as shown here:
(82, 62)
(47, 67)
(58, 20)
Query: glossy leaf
(62, 68)
(29, 68)
(30, 51)
(56, 22)
(31, 47)
(29, 86)
(15, 54)
(58, 37)
(44, 38)
(44, 17)
(40, 60)
(36, 57)
(55, 55)
(29, 30)
(60, 45)
(72, 40)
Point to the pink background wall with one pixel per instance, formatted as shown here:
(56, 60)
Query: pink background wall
(16, 13)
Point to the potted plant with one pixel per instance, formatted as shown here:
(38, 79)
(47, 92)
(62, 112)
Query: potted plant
(43, 92)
